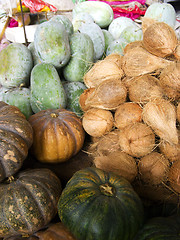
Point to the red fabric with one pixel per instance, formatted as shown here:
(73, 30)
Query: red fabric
(132, 13)
(37, 5)
(13, 23)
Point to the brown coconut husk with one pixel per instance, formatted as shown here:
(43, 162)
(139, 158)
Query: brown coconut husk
(160, 39)
(105, 144)
(116, 58)
(177, 51)
(153, 168)
(118, 162)
(146, 22)
(174, 176)
(107, 95)
(137, 140)
(160, 115)
(127, 113)
(101, 71)
(171, 151)
(97, 122)
(145, 88)
(133, 45)
(178, 112)
(138, 61)
(169, 80)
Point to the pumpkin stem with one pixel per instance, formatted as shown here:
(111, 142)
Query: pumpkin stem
(107, 189)
(54, 115)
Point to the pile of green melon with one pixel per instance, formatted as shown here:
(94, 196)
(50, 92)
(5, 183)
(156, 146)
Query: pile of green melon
(72, 133)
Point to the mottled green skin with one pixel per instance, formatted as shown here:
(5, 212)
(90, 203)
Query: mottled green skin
(97, 37)
(46, 88)
(19, 97)
(160, 228)
(73, 91)
(65, 21)
(89, 213)
(16, 137)
(108, 37)
(82, 55)
(15, 65)
(28, 203)
(117, 46)
(51, 42)
(36, 59)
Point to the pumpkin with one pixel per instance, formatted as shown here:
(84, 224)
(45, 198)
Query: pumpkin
(100, 205)
(55, 231)
(28, 202)
(16, 136)
(58, 135)
(159, 228)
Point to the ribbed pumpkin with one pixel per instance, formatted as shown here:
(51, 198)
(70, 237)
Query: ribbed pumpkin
(98, 205)
(160, 228)
(58, 135)
(16, 136)
(29, 202)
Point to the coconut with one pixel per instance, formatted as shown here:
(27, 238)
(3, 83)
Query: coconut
(178, 112)
(127, 113)
(137, 140)
(143, 89)
(107, 95)
(116, 58)
(171, 151)
(97, 122)
(160, 115)
(160, 39)
(132, 45)
(101, 71)
(153, 168)
(118, 162)
(138, 61)
(146, 22)
(174, 176)
(169, 80)
(105, 144)
(177, 51)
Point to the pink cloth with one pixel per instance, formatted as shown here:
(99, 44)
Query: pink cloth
(121, 2)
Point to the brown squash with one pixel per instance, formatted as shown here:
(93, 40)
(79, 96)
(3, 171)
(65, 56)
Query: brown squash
(16, 137)
(58, 135)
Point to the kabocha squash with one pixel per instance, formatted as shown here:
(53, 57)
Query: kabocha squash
(160, 228)
(16, 136)
(58, 135)
(100, 205)
(29, 202)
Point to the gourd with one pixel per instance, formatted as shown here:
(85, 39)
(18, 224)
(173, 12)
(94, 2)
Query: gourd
(15, 65)
(58, 135)
(16, 137)
(46, 88)
(101, 12)
(100, 205)
(19, 97)
(82, 54)
(51, 42)
(28, 202)
(159, 228)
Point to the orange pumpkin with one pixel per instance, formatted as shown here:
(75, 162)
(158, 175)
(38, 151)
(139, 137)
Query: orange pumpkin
(58, 135)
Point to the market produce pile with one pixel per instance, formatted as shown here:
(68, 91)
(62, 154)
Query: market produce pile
(90, 128)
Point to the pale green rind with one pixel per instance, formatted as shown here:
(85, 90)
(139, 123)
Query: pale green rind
(132, 33)
(15, 65)
(19, 97)
(46, 88)
(51, 42)
(81, 18)
(117, 46)
(82, 55)
(101, 12)
(97, 37)
(36, 59)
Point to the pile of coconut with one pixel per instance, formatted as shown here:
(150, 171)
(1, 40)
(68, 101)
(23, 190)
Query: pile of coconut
(132, 112)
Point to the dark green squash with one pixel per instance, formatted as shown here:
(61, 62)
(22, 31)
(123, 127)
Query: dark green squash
(160, 228)
(28, 202)
(97, 205)
(16, 137)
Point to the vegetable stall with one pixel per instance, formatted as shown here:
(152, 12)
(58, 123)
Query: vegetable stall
(90, 121)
